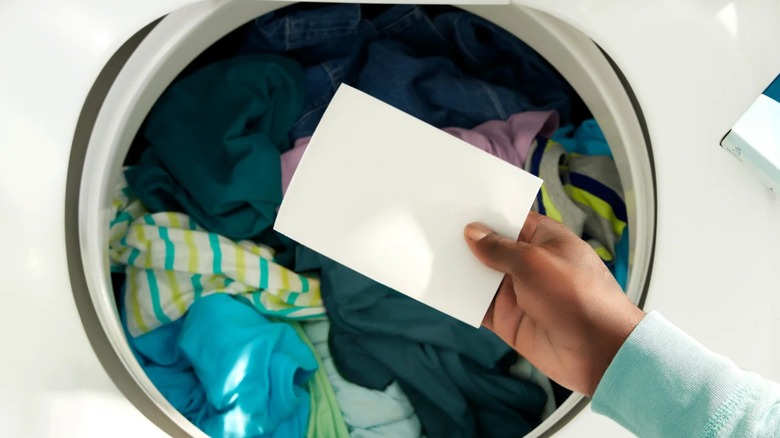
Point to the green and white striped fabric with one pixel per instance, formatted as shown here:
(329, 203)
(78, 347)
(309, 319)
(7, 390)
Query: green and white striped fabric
(170, 262)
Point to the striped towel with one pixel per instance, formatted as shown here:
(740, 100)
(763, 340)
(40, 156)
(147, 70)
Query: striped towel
(170, 262)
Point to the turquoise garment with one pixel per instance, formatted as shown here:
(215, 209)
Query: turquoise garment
(215, 141)
(230, 371)
(587, 139)
(663, 383)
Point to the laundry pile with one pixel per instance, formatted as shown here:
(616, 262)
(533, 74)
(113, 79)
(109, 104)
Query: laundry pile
(249, 334)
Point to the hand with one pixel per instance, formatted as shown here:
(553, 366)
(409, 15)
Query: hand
(558, 305)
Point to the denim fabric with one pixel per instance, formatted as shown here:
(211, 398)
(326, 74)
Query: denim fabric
(498, 57)
(295, 28)
(320, 82)
(329, 42)
(411, 26)
(434, 89)
(448, 68)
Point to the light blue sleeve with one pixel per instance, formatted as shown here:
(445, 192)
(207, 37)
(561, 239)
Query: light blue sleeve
(663, 383)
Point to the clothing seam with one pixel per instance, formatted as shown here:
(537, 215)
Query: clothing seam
(401, 23)
(287, 34)
(496, 103)
(307, 35)
(724, 412)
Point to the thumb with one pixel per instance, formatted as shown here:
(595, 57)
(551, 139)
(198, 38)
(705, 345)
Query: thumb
(492, 249)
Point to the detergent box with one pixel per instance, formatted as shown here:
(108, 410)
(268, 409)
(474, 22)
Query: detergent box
(755, 138)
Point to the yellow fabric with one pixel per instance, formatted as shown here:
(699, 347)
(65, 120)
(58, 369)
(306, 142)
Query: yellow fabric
(549, 207)
(596, 204)
(603, 253)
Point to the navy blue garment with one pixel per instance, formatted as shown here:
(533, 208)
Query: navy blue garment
(328, 41)
(433, 89)
(449, 69)
(454, 375)
(413, 27)
(496, 56)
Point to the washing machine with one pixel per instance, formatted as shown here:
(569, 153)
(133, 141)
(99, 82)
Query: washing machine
(665, 79)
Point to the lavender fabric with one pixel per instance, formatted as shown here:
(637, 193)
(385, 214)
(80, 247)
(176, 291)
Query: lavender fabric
(508, 139)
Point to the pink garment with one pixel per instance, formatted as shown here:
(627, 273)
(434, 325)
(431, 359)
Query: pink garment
(509, 140)
(290, 160)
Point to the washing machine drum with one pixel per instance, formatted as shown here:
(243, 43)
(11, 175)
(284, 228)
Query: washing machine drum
(195, 47)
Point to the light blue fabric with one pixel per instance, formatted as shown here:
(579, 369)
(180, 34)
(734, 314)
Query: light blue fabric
(369, 413)
(663, 383)
(230, 371)
(587, 139)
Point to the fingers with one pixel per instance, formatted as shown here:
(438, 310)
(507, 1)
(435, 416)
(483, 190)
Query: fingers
(493, 250)
(506, 317)
(487, 320)
(542, 230)
(503, 288)
(532, 222)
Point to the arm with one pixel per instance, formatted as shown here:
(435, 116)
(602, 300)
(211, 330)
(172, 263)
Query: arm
(663, 383)
(561, 309)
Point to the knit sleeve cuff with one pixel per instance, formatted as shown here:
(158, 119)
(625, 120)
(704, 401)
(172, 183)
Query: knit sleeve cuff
(664, 383)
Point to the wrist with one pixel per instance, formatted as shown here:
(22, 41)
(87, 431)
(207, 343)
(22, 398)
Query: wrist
(613, 335)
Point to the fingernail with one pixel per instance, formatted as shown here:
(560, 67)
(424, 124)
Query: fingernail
(476, 231)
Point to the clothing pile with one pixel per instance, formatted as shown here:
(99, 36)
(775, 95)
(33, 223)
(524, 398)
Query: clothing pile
(249, 334)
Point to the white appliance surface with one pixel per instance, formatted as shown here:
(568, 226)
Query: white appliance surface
(695, 66)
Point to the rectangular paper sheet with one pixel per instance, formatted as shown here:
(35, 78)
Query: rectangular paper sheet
(388, 196)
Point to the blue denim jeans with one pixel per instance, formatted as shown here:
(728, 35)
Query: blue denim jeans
(496, 56)
(448, 68)
(329, 43)
(434, 89)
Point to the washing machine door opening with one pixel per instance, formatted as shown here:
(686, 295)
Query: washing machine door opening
(150, 61)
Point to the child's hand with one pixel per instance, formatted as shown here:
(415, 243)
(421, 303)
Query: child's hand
(558, 305)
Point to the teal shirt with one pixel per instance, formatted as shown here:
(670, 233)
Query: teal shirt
(663, 383)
